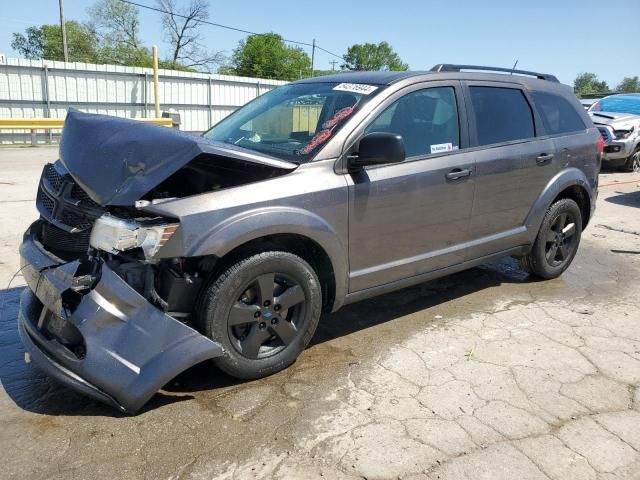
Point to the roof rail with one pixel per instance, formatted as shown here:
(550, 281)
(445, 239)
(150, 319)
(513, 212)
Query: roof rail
(447, 67)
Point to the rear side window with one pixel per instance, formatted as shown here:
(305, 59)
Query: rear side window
(558, 115)
(502, 115)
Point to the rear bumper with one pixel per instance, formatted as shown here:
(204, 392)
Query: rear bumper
(130, 347)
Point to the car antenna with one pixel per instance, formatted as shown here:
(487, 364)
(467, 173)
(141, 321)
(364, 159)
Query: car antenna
(514, 67)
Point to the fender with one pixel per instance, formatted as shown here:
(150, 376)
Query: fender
(260, 222)
(564, 179)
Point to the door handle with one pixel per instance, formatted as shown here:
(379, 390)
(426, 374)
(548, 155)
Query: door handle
(544, 159)
(458, 173)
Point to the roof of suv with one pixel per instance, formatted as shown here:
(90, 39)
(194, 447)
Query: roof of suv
(443, 71)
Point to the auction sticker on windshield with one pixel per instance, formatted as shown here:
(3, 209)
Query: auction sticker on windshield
(356, 88)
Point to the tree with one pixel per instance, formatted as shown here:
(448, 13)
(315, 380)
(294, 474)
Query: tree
(369, 56)
(45, 42)
(116, 25)
(180, 27)
(629, 85)
(267, 56)
(587, 82)
(116, 22)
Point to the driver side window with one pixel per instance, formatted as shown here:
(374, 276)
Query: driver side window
(426, 119)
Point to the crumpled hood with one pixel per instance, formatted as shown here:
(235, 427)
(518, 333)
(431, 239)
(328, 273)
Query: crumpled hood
(116, 160)
(619, 121)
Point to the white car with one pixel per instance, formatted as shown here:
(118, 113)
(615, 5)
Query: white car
(618, 119)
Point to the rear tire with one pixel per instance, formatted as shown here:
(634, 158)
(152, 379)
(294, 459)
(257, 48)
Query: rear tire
(263, 310)
(557, 241)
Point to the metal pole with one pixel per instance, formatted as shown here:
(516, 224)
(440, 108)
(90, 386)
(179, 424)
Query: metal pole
(313, 55)
(156, 81)
(47, 100)
(210, 100)
(64, 31)
(145, 91)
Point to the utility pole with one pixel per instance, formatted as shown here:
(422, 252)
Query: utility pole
(156, 82)
(64, 31)
(313, 56)
(333, 65)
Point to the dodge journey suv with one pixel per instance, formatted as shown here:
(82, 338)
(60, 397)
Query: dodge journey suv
(156, 250)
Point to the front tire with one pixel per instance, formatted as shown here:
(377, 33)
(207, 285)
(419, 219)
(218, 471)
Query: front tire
(633, 162)
(557, 241)
(263, 310)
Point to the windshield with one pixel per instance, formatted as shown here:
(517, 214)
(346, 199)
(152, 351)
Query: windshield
(618, 104)
(294, 121)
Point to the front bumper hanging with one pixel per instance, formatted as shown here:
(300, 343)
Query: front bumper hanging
(130, 348)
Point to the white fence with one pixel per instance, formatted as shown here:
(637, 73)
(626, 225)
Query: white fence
(46, 89)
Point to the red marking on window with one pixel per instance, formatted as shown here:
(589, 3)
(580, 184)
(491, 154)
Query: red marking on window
(318, 138)
(339, 115)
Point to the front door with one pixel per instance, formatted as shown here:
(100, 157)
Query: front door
(410, 218)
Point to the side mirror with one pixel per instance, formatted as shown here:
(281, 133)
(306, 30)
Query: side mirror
(377, 149)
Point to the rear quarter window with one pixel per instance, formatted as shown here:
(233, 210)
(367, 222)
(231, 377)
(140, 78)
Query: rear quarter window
(558, 115)
(501, 114)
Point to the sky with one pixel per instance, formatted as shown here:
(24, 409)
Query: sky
(561, 37)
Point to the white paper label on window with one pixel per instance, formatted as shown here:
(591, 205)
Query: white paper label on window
(441, 147)
(356, 88)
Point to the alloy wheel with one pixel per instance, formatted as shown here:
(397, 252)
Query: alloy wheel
(560, 240)
(267, 315)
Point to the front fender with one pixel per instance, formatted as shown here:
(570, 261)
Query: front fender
(261, 222)
(563, 180)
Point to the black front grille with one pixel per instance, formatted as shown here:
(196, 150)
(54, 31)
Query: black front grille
(44, 200)
(80, 222)
(52, 176)
(68, 212)
(78, 194)
(58, 240)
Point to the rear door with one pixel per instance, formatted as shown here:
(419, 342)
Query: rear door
(512, 165)
(563, 124)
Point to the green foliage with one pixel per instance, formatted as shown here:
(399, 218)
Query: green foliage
(46, 42)
(267, 56)
(117, 31)
(116, 22)
(629, 85)
(586, 83)
(369, 56)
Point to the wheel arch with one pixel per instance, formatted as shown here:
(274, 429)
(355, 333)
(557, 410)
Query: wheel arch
(300, 245)
(578, 194)
(569, 183)
(297, 231)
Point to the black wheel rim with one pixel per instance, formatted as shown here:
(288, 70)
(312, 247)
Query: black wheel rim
(267, 316)
(560, 240)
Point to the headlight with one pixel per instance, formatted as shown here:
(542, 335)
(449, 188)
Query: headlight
(115, 235)
(620, 134)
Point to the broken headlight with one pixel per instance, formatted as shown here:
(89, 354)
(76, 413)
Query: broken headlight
(621, 134)
(115, 235)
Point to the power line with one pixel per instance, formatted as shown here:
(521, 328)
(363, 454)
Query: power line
(330, 53)
(235, 29)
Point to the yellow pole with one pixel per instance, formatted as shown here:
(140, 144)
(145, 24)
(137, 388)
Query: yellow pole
(156, 82)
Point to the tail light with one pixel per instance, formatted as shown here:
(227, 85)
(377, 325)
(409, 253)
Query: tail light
(600, 145)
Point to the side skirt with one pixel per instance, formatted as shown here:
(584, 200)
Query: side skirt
(425, 277)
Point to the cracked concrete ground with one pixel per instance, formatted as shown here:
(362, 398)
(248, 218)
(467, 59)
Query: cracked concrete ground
(482, 375)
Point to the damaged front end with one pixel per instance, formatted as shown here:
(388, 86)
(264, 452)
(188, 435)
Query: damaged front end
(104, 311)
(86, 326)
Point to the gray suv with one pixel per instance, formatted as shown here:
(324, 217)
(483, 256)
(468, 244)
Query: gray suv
(156, 250)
